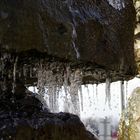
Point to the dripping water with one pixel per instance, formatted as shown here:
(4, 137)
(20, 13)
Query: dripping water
(88, 92)
(76, 50)
(74, 36)
(95, 97)
(96, 90)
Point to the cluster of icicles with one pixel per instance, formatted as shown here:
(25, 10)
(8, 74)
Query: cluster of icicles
(55, 79)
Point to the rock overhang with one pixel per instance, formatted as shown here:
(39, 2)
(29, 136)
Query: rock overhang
(90, 35)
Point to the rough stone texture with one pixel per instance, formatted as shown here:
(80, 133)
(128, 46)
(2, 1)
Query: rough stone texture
(43, 126)
(22, 118)
(78, 31)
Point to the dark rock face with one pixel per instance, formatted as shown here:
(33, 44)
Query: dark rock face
(43, 126)
(78, 31)
(22, 118)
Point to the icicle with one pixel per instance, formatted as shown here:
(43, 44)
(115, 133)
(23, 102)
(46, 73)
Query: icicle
(49, 83)
(54, 100)
(53, 77)
(86, 86)
(51, 98)
(81, 97)
(75, 81)
(41, 81)
(14, 75)
(122, 96)
(67, 74)
(96, 86)
(93, 99)
(56, 97)
(107, 91)
(88, 93)
(66, 103)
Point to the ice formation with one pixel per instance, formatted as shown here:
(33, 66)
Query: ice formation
(108, 94)
(55, 78)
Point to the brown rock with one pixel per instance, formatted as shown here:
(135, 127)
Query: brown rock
(85, 31)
